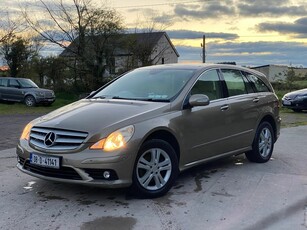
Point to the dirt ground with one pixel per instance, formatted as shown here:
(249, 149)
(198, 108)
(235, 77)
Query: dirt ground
(289, 118)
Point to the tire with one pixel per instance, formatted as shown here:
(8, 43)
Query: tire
(297, 110)
(155, 169)
(30, 101)
(263, 144)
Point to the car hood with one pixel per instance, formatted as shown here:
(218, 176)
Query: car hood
(39, 90)
(295, 93)
(94, 116)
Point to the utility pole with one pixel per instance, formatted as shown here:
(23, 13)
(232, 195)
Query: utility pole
(204, 48)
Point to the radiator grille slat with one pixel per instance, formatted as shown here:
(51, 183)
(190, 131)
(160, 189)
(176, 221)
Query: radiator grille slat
(61, 140)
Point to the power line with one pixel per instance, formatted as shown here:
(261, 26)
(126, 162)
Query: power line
(121, 7)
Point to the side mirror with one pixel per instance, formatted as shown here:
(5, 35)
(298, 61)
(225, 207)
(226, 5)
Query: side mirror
(199, 100)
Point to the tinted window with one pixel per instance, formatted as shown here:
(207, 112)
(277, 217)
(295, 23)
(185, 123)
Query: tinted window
(3, 82)
(234, 81)
(208, 84)
(258, 84)
(248, 85)
(13, 83)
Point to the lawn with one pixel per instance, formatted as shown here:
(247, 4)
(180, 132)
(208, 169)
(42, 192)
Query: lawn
(19, 108)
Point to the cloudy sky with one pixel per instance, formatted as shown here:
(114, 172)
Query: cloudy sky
(249, 32)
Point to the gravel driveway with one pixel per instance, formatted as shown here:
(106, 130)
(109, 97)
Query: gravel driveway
(11, 127)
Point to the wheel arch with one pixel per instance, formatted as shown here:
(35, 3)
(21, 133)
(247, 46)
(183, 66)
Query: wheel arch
(270, 119)
(166, 136)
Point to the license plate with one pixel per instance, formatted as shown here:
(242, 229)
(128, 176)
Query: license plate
(45, 161)
(286, 102)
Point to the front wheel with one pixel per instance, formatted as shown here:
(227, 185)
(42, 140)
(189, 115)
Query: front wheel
(263, 144)
(30, 101)
(155, 169)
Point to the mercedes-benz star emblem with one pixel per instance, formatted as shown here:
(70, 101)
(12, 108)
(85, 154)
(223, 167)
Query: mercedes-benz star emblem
(50, 139)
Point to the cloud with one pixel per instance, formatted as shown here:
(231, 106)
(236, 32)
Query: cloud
(270, 8)
(246, 8)
(249, 53)
(209, 9)
(189, 34)
(298, 27)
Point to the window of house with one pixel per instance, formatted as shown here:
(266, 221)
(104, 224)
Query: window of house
(208, 84)
(234, 81)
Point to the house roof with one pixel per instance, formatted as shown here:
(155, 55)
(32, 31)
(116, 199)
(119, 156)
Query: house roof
(119, 42)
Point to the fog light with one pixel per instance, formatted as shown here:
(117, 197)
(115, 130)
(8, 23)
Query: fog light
(106, 174)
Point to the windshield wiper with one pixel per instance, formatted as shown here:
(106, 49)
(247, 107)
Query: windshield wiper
(155, 99)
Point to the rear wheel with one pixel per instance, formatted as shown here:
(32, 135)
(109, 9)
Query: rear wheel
(30, 101)
(155, 169)
(263, 144)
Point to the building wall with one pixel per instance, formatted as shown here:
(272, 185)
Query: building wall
(164, 52)
(274, 73)
(301, 72)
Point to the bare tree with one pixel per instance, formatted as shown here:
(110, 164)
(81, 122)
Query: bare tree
(82, 29)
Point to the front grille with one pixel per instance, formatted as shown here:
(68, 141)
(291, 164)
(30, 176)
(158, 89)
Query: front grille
(63, 139)
(49, 95)
(63, 172)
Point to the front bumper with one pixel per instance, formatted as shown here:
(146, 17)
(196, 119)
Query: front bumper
(294, 104)
(45, 100)
(86, 167)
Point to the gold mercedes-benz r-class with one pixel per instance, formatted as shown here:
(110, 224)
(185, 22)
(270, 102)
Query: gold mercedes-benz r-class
(146, 126)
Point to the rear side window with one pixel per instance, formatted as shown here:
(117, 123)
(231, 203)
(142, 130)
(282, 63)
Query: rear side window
(208, 84)
(234, 81)
(13, 83)
(3, 82)
(257, 83)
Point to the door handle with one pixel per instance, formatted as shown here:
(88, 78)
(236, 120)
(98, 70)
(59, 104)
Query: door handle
(224, 107)
(255, 100)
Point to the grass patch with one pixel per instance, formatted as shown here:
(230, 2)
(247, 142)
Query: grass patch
(20, 108)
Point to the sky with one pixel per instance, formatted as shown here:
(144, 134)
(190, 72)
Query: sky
(248, 32)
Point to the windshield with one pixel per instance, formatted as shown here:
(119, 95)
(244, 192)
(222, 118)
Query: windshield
(148, 84)
(27, 83)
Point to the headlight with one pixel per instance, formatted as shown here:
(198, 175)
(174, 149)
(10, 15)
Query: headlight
(41, 94)
(26, 132)
(115, 140)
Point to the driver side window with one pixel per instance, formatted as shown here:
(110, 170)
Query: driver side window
(208, 84)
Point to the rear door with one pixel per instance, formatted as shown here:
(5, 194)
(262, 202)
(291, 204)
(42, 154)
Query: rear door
(4, 89)
(243, 112)
(14, 91)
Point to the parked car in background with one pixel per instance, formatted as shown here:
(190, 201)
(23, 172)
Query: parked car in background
(24, 90)
(296, 100)
(146, 126)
